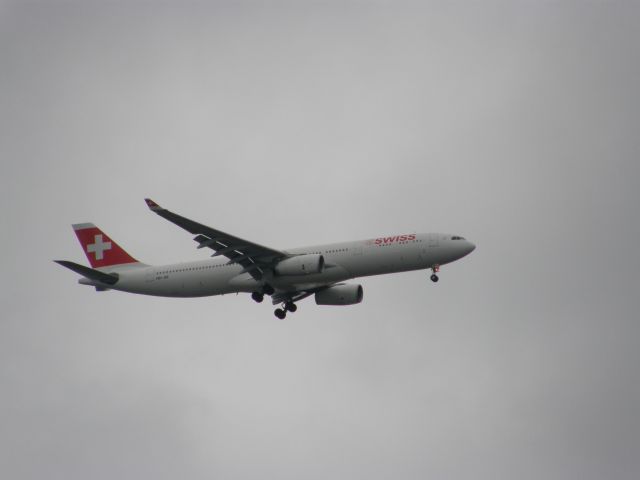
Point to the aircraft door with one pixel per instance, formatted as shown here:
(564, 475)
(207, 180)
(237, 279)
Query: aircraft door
(426, 252)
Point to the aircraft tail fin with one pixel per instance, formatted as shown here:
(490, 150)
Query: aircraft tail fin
(100, 250)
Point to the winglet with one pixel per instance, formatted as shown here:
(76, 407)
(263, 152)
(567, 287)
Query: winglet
(152, 205)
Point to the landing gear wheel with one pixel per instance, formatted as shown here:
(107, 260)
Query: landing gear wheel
(257, 297)
(435, 269)
(290, 306)
(281, 314)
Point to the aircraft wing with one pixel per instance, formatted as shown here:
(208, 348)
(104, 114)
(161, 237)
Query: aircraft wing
(301, 294)
(293, 296)
(253, 257)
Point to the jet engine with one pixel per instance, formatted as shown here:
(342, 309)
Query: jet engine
(301, 265)
(340, 295)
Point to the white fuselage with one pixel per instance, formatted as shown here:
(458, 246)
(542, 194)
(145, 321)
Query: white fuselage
(343, 261)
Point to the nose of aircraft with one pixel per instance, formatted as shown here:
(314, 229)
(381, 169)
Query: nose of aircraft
(466, 247)
(470, 247)
(461, 246)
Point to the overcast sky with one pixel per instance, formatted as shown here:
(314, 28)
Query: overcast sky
(515, 124)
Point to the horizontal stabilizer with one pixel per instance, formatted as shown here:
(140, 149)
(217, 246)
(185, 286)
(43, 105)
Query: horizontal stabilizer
(90, 273)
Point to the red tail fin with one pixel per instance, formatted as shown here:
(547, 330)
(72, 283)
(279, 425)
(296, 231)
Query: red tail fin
(99, 248)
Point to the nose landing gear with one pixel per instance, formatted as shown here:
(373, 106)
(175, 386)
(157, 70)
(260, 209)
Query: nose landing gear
(435, 269)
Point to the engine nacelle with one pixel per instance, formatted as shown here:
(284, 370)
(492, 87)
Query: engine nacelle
(301, 265)
(340, 295)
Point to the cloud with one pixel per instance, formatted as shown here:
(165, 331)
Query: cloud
(291, 125)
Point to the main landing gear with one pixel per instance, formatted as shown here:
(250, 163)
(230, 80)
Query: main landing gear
(258, 297)
(281, 313)
(435, 269)
(290, 307)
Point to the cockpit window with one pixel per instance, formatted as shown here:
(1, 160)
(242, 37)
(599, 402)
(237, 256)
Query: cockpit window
(457, 238)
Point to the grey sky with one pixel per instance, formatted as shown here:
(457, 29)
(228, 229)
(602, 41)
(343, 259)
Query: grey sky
(512, 123)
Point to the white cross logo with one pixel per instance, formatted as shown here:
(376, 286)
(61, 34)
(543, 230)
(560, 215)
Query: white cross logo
(98, 247)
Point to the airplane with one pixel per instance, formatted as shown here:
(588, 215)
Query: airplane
(242, 266)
